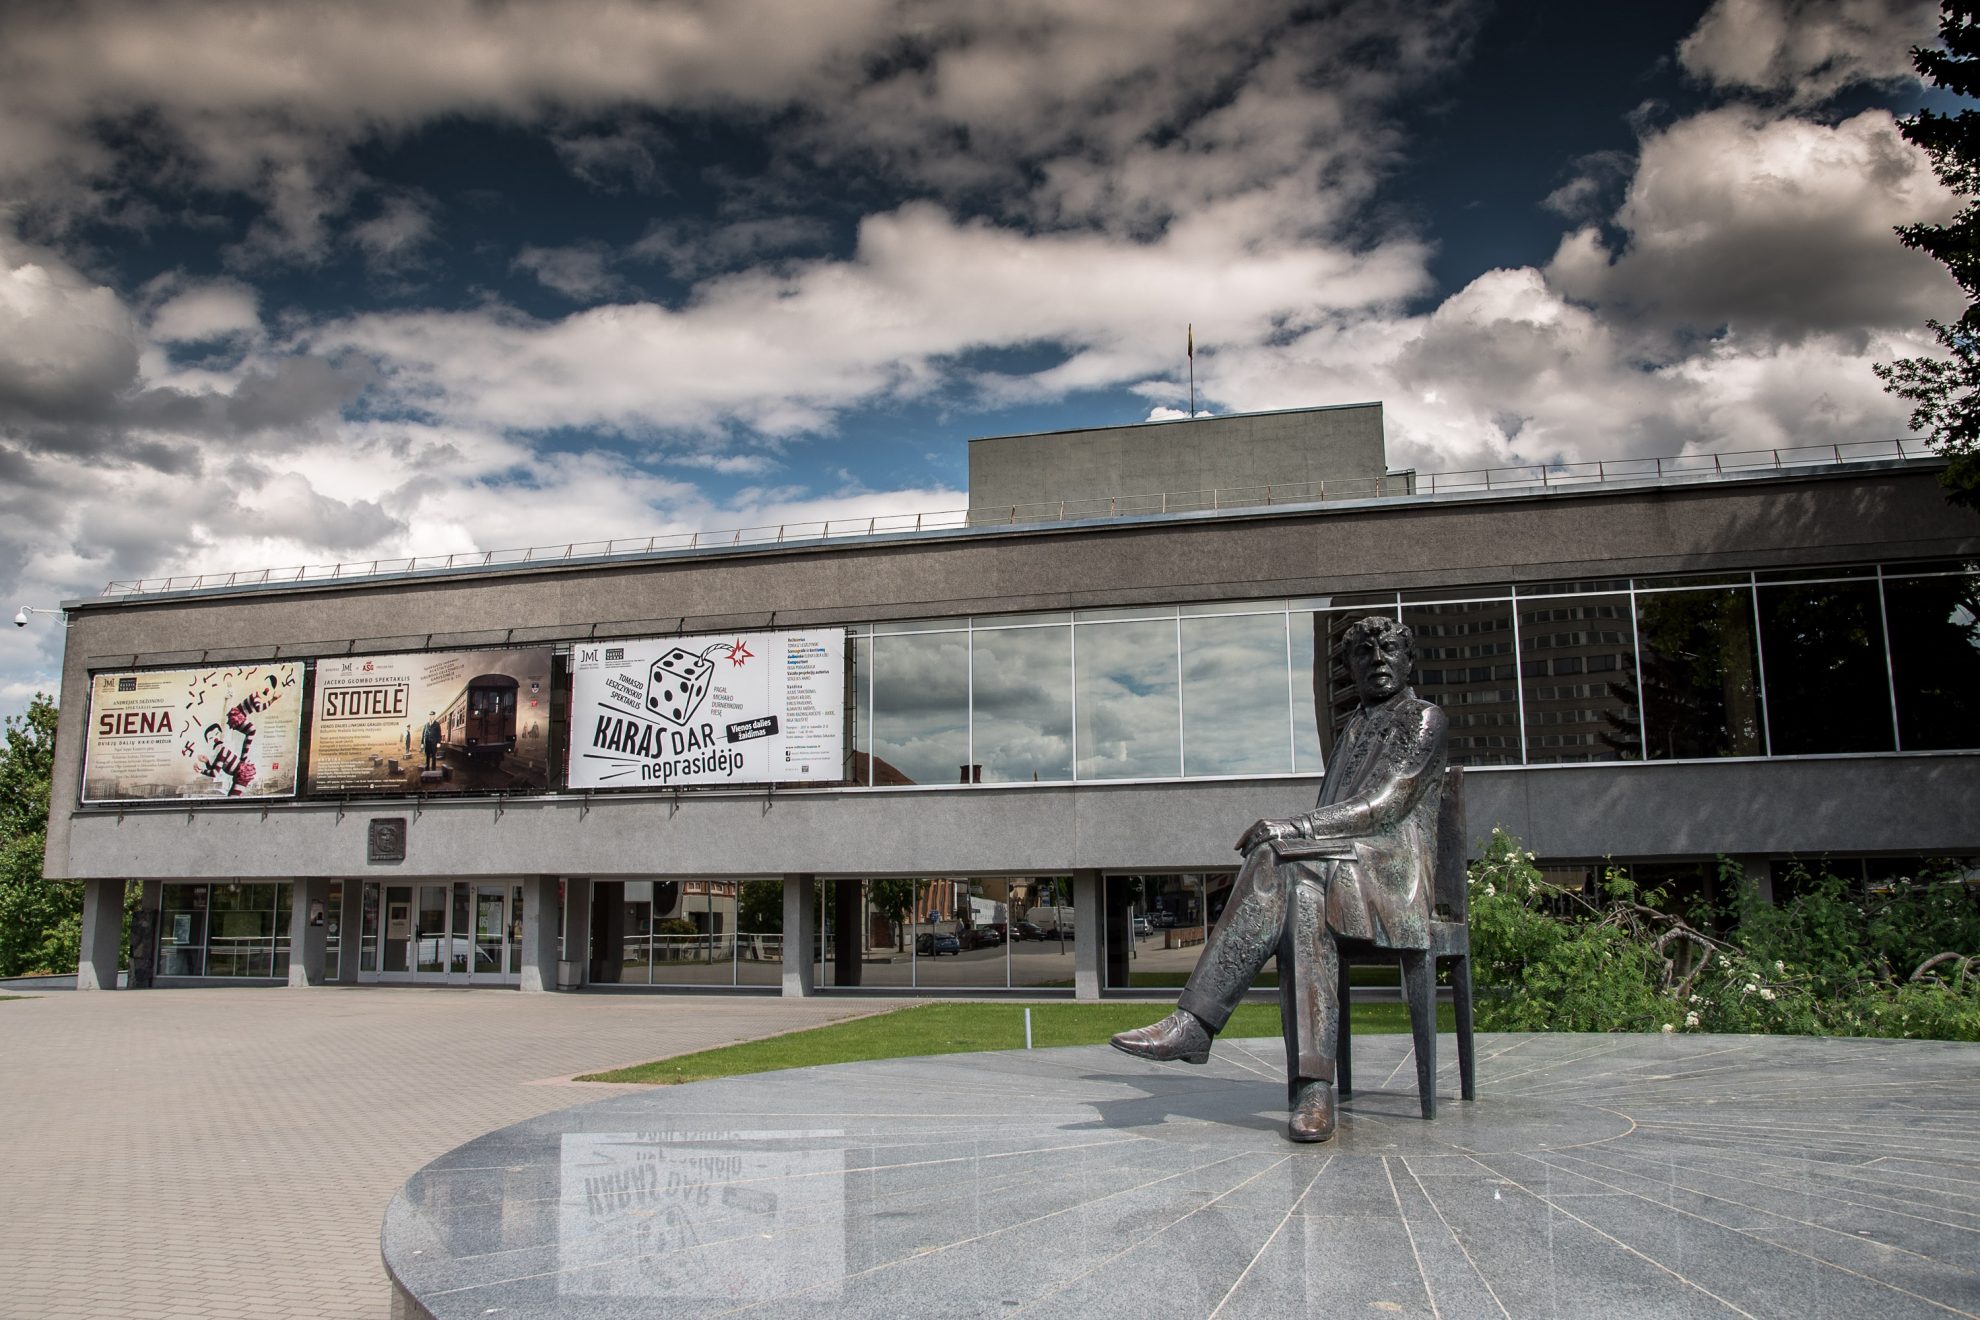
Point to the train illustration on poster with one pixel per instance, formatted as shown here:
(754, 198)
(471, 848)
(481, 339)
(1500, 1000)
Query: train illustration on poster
(432, 722)
(220, 732)
(671, 712)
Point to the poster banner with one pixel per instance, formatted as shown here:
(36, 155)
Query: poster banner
(193, 733)
(431, 722)
(665, 712)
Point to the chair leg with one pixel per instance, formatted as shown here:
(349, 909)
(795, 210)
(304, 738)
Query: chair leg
(1420, 985)
(1344, 1049)
(1461, 1010)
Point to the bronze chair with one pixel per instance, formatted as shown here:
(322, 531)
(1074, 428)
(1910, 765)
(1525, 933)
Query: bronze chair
(1450, 942)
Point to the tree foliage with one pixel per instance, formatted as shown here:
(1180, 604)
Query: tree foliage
(40, 922)
(1945, 392)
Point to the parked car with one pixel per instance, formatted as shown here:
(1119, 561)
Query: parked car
(1141, 926)
(1161, 920)
(985, 937)
(941, 942)
(1025, 930)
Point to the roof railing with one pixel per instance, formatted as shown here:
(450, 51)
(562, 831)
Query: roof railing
(1499, 480)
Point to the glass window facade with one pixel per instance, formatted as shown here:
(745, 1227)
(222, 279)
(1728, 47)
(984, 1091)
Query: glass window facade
(1809, 662)
(224, 930)
(979, 933)
(694, 932)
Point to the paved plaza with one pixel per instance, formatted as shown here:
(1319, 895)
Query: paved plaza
(1652, 1177)
(231, 1152)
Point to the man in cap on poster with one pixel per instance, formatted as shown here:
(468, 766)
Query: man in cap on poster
(1358, 866)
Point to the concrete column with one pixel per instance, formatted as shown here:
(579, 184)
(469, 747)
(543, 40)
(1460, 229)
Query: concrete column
(308, 895)
(350, 932)
(143, 959)
(577, 930)
(800, 933)
(1759, 870)
(1087, 920)
(102, 934)
(539, 933)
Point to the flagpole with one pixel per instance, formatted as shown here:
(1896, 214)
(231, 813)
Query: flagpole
(1191, 332)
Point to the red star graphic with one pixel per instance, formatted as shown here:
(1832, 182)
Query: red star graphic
(739, 653)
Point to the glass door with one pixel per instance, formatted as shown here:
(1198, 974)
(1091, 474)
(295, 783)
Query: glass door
(430, 931)
(458, 933)
(491, 934)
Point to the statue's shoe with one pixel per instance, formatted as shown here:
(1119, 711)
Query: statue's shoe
(1181, 1035)
(1313, 1117)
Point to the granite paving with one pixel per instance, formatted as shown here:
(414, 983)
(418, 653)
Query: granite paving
(230, 1152)
(1595, 1176)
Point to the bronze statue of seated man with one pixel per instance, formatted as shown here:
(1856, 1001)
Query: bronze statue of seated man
(1358, 866)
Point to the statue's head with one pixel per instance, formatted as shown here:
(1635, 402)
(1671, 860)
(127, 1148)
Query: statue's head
(1381, 654)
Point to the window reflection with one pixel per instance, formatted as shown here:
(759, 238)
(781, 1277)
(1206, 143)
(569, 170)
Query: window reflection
(1042, 931)
(1827, 689)
(1126, 698)
(1236, 699)
(1935, 659)
(1155, 927)
(1022, 681)
(1202, 690)
(1465, 664)
(1309, 757)
(920, 707)
(1577, 662)
(1701, 688)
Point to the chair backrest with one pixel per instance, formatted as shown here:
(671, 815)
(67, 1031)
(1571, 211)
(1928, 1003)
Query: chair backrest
(1448, 896)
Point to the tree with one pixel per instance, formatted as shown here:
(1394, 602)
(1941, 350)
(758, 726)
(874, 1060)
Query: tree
(1946, 391)
(40, 922)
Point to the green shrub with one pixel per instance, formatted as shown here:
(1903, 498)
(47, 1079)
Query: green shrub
(1824, 962)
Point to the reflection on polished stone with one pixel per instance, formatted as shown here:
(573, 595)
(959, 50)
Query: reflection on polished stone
(1599, 1176)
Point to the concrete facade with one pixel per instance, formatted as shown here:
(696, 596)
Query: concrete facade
(1897, 803)
(1294, 448)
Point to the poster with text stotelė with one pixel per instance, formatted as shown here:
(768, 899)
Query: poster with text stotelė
(223, 732)
(431, 722)
(749, 708)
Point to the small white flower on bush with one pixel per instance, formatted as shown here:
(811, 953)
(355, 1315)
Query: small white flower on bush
(1767, 995)
(1748, 988)
(1491, 890)
(1669, 1027)
(1697, 999)
(1724, 962)
(1780, 967)
(1691, 1020)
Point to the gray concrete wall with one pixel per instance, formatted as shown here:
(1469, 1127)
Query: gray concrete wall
(1421, 542)
(1899, 804)
(1178, 457)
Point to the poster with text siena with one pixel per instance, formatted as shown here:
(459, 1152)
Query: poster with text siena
(227, 732)
(741, 708)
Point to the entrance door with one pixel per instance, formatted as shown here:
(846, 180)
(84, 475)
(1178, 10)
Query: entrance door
(458, 933)
(491, 953)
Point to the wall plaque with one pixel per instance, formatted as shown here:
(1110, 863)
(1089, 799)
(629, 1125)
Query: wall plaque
(385, 841)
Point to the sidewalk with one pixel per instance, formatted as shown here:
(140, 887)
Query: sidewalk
(230, 1152)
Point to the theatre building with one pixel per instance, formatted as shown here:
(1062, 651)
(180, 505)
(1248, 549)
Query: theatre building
(1006, 748)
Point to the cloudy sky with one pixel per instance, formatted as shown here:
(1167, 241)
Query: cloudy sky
(286, 284)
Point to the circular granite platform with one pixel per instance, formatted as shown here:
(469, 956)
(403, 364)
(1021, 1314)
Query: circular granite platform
(1596, 1176)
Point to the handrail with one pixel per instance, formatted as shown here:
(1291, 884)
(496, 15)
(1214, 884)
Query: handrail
(1705, 466)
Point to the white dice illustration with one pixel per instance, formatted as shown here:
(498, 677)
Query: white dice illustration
(677, 684)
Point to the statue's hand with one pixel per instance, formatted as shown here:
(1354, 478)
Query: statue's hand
(1264, 831)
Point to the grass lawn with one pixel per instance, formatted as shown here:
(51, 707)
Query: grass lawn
(963, 1029)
